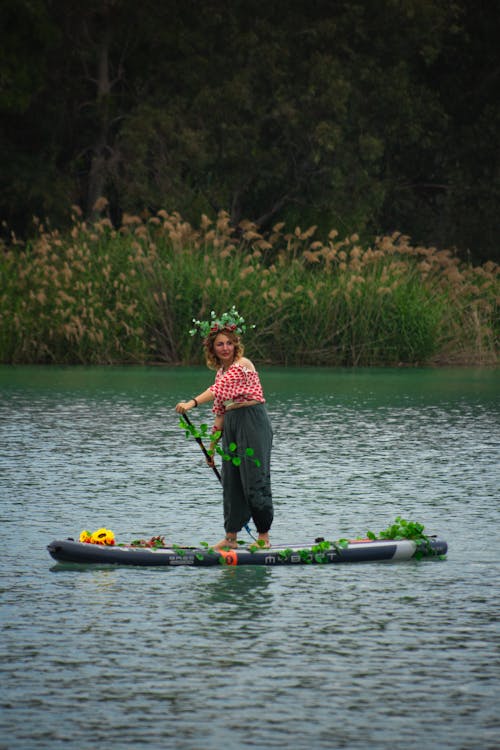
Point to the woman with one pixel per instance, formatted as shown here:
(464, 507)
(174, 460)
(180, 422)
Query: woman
(241, 417)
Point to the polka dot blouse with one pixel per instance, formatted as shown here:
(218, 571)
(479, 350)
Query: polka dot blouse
(236, 384)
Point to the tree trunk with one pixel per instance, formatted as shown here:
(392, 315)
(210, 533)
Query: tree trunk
(101, 150)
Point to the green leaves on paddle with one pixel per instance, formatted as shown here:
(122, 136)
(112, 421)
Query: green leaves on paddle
(232, 454)
(200, 433)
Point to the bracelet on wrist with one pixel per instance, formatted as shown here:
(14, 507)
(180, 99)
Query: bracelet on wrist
(195, 402)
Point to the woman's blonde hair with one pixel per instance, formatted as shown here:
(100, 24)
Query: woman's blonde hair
(212, 360)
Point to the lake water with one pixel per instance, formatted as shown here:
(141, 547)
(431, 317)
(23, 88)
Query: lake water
(357, 656)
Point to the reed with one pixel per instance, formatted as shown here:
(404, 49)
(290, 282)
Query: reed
(101, 294)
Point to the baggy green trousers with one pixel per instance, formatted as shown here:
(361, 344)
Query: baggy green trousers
(247, 487)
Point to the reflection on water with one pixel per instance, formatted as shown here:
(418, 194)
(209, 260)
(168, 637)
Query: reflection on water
(335, 656)
(245, 592)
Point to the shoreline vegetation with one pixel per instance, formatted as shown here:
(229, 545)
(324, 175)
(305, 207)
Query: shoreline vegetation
(100, 294)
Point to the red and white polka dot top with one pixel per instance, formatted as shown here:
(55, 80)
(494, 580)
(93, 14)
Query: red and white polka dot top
(237, 383)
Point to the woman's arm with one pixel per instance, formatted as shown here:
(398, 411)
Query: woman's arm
(203, 398)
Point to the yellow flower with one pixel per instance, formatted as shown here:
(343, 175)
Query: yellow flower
(85, 536)
(103, 536)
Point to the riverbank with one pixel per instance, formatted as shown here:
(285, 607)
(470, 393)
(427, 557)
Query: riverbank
(106, 295)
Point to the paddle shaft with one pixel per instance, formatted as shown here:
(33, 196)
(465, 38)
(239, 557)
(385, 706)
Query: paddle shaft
(200, 443)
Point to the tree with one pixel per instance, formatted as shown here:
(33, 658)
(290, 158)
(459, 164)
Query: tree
(364, 115)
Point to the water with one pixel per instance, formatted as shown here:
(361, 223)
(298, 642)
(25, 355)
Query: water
(375, 655)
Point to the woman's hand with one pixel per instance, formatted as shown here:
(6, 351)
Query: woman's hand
(211, 453)
(183, 406)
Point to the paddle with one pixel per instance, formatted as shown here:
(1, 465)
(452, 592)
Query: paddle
(200, 443)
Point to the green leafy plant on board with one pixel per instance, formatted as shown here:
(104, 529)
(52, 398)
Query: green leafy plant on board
(318, 552)
(232, 454)
(398, 530)
(403, 529)
(206, 546)
(154, 543)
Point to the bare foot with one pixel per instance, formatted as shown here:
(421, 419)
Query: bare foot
(263, 540)
(229, 542)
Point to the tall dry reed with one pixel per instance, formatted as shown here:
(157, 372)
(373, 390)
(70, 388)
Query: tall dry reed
(101, 294)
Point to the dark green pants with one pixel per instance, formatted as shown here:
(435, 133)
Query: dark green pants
(247, 487)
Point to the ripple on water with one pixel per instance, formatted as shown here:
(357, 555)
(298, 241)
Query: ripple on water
(354, 656)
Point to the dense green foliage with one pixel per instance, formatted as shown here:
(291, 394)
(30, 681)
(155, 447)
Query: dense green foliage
(367, 115)
(101, 294)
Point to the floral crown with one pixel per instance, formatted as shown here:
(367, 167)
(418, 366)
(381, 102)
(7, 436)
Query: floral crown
(228, 321)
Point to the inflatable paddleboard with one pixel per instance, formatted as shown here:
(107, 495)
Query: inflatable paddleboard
(317, 553)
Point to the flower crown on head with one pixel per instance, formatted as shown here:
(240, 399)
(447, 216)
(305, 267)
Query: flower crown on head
(228, 321)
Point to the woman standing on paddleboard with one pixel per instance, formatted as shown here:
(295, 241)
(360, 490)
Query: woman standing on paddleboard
(241, 418)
